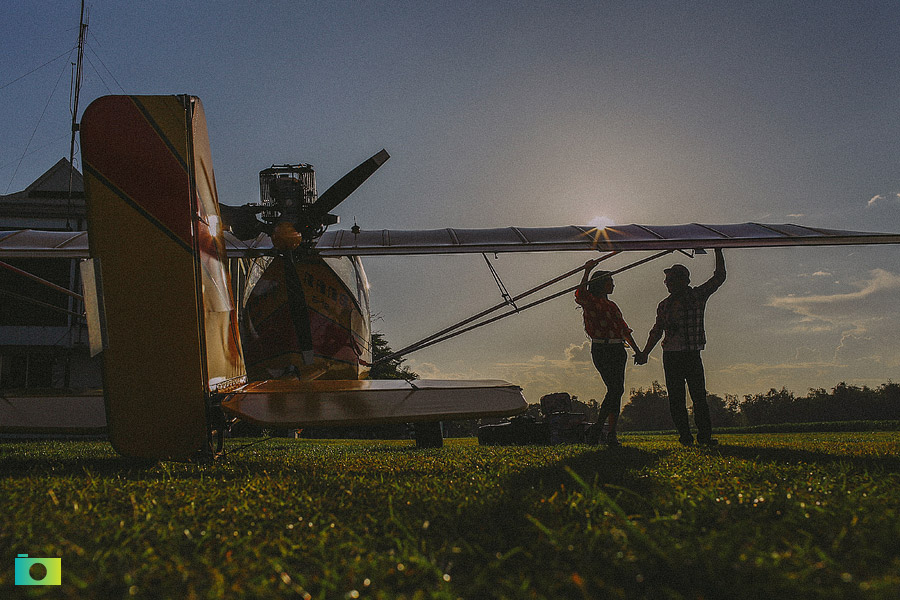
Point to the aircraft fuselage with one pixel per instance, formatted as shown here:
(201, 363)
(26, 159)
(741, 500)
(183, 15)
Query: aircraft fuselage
(334, 295)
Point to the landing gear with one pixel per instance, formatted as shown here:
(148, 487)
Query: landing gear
(217, 425)
(429, 435)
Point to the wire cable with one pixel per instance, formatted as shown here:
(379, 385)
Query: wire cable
(450, 333)
(41, 118)
(9, 83)
(94, 52)
(484, 313)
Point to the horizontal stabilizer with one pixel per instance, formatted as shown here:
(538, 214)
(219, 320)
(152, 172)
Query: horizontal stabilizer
(80, 414)
(293, 403)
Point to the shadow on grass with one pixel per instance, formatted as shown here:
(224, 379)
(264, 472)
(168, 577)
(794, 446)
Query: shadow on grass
(607, 466)
(883, 464)
(502, 536)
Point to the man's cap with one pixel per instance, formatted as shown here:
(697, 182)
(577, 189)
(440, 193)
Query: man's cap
(678, 271)
(600, 275)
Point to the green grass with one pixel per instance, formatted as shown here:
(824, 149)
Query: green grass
(766, 516)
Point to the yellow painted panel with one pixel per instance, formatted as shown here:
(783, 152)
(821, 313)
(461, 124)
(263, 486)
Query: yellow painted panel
(139, 216)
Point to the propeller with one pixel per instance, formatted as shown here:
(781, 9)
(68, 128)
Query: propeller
(347, 184)
(287, 214)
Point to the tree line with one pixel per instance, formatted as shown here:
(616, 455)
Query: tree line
(648, 409)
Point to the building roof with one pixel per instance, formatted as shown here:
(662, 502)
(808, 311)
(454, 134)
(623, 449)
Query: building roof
(48, 195)
(53, 183)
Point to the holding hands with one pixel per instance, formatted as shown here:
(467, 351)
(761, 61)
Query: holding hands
(640, 357)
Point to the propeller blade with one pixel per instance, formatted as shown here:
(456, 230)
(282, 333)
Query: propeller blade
(347, 184)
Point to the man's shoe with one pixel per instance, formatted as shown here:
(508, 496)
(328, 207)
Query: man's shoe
(711, 442)
(686, 440)
(612, 441)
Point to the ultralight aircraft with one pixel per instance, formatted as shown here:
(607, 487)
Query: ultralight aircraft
(281, 336)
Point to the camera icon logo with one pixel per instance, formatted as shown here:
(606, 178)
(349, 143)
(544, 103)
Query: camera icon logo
(38, 571)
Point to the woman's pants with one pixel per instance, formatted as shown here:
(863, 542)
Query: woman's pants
(610, 360)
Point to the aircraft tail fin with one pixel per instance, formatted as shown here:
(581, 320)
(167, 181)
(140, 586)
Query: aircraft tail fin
(154, 227)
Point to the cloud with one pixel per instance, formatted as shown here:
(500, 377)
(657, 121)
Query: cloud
(773, 370)
(579, 353)
(881, 199)
(861, 323)
(821, 274)
(842, 304)
(797, 216)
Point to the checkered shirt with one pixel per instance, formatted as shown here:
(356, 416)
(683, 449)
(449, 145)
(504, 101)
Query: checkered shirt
(680, 316)
(602, 318)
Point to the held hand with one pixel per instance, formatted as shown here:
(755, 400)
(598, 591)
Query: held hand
(640, 358)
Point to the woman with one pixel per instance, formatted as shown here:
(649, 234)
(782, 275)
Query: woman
(608, 331)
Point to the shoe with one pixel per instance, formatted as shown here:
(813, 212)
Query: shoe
(612, 441)
(710, 443)
(686, 440)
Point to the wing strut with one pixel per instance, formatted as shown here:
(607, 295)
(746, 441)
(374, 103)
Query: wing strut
(39, 280)
(504, 293)
(455, 330)
(39, 303)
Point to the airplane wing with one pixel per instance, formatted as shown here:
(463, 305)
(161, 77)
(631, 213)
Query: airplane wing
(621, 237)
(31, 243)
(293, 403)
(34, 243)
(27, 243)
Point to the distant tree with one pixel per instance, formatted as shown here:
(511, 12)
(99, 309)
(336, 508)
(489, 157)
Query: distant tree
(775, 406)
(723, 413)
(852, 403)
(389, 369)
(888, 401)
(843, 403)
(733, 404)
(647, 410)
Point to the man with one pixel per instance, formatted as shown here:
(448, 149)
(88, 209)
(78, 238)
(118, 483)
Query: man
(603, 323)
(680, 317)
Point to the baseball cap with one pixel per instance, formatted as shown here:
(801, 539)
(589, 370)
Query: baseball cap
(678, 271)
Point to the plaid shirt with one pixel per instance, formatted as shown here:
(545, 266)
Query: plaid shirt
(681, 316)
(602, 318)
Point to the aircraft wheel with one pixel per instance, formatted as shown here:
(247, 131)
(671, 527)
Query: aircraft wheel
(429, 435)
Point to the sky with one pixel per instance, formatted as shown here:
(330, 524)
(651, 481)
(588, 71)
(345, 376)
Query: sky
(536, 114)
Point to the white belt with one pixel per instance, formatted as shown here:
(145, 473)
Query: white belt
(607, 341)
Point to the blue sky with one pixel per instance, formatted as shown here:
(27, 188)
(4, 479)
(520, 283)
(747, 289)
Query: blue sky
(537, 113)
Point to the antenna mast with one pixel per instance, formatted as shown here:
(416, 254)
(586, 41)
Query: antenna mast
(82, 29)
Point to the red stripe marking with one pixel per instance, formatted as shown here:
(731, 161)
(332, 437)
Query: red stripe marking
(129, 152)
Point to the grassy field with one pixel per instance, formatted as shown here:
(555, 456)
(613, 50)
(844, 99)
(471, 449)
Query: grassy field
(764, 516)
